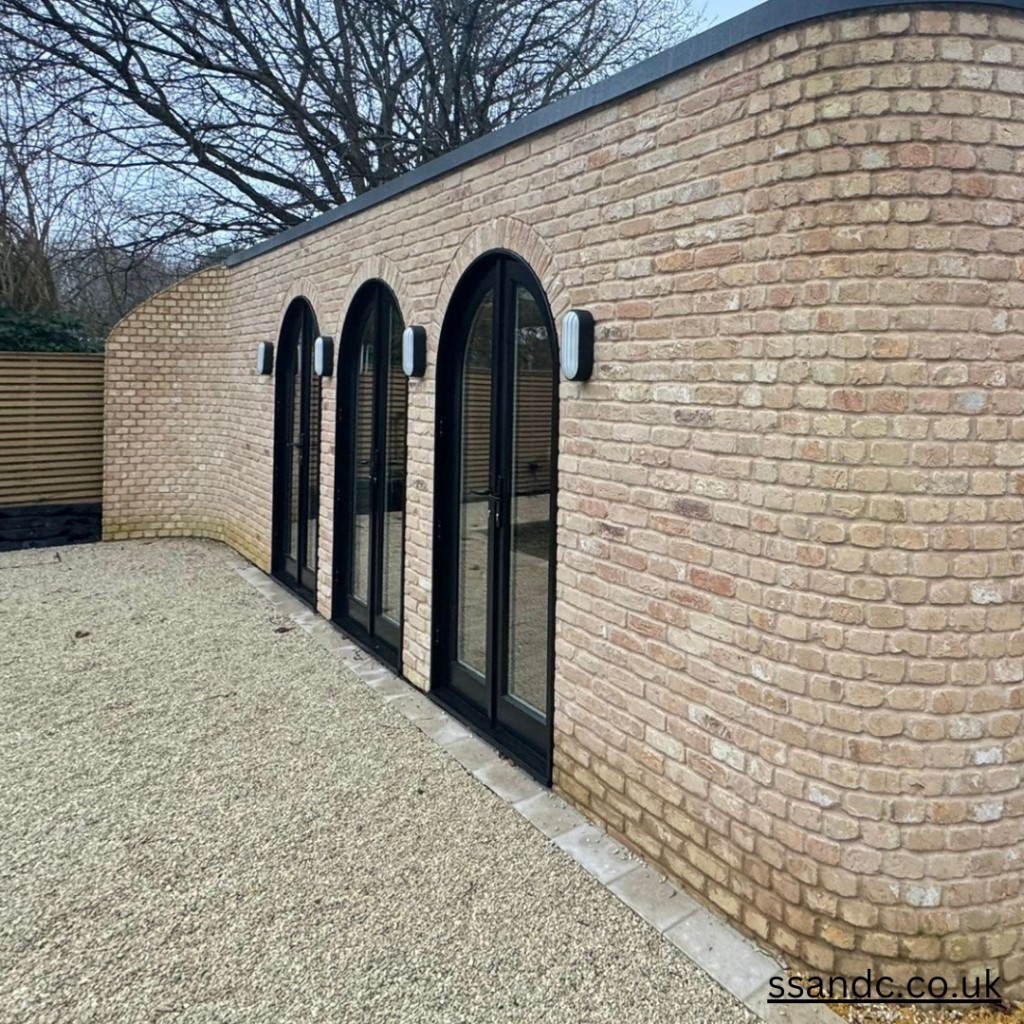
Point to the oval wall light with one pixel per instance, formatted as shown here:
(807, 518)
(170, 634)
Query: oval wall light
(265, 358)
(414, 351)
(323, 356)
(577, 344)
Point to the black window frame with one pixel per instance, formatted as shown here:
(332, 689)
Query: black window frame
(527, 737)
(372, 630)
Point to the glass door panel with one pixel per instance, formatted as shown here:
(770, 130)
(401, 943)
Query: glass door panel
(474, 555)
(361, 493)
(393, 448)
(312, 481)
(530, 520)
(297, 454)
(372, 419)
(293, 456)
(497, 408)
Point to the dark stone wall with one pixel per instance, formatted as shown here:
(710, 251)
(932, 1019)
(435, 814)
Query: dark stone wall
(40, 526)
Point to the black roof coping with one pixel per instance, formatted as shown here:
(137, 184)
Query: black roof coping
(758, 21)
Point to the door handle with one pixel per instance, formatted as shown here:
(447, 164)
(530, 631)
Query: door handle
(493, 502)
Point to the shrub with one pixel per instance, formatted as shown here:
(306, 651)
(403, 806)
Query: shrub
(31, 332)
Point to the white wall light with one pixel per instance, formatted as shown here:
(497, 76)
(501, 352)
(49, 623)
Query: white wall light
(265, 358)
(577, 344)
(414, 351)
(323, 356)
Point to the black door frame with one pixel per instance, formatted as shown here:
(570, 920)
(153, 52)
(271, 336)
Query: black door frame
(481, 702)
(368, 626)
(294, 355)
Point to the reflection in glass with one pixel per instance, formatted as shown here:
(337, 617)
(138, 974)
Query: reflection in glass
(474, 464)
(393, 477)
(294, 450)
(361, 496)
(533, 399)
(313, 472)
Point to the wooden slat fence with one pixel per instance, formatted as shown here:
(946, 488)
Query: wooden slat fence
(51, 428)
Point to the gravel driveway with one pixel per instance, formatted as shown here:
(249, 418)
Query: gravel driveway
(206, 820)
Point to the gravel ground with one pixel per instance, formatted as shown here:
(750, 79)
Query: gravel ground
(205, 820)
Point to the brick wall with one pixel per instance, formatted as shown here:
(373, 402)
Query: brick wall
(187, 424)
(790, 651)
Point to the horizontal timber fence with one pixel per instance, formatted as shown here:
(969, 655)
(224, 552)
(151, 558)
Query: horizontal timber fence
(51, 448)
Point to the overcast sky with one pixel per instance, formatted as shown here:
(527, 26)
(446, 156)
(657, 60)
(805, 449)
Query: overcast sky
(723, 10)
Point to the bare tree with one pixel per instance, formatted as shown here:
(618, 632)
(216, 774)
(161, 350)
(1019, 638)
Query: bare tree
(256, 114)
(73, 243)
(29, 204)
(99, 283)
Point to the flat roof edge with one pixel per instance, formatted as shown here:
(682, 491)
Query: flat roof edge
(762, 20)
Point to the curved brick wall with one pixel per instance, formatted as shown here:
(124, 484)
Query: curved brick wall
(790, 654)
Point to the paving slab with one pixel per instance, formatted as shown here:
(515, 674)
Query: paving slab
(726, 955)
(596, 852)
(416, 706)
(509, 782)
(390, 688)
(550, 814)
(444, 729)
(654, 898)
(804, 1012)
(472, 753)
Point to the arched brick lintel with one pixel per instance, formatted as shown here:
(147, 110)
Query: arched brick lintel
(374, 268)
(511, 235)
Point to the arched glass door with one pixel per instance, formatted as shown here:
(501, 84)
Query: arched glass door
(370, 496)
(296, 454)
(495, 536)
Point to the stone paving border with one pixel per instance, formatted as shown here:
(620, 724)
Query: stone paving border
(731, 959)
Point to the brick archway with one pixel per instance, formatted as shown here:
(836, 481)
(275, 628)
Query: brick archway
(375, 268)
(303, 288)
(510, 235)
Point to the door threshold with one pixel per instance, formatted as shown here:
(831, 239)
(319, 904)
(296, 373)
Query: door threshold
(531, 762)
(367, 645)
(304, 594)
